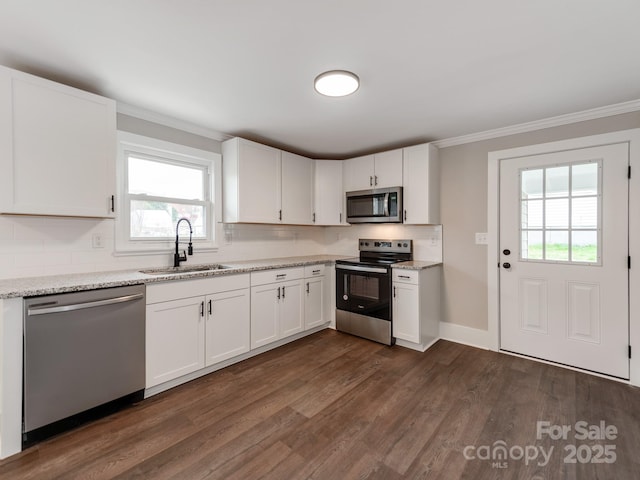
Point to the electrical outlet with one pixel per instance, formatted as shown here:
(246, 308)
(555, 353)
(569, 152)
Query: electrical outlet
(97, 240)
(481, 239)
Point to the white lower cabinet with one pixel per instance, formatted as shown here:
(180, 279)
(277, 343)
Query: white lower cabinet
(227, 326)
(192, 324)
(174, 339)
(314, 301)
(277, 305)
(416, 307)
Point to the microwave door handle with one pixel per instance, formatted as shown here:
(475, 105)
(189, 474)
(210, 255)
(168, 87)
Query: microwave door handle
(386, 204)
(346, 284)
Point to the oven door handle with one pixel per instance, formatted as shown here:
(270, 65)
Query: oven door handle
(357, 268)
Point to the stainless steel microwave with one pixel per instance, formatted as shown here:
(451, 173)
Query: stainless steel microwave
(381, 205)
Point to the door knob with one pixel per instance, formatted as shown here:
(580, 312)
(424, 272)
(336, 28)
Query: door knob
(506, 265)
(506, 251)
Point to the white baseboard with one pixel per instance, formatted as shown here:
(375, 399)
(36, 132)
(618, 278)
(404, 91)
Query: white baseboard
(473, 337)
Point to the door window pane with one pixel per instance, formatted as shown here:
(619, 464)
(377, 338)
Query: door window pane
(532, 245)
(557, 182)
(557, 245)
(532, 183)
(557, 213)
(532, 213)
(584, 179)
(584, 246)
(584, 212)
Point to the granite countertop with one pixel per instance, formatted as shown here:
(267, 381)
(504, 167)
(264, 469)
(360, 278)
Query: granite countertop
(415, 265)
(47, 285)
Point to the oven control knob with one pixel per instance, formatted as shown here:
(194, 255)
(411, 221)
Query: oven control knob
(366, 244)
(399, 244)
(345, 297)
(405, 245)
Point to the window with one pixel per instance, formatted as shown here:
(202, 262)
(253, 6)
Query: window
(159, 183)
(560, 213)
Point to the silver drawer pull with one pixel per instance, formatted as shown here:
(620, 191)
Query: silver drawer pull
(404, 276)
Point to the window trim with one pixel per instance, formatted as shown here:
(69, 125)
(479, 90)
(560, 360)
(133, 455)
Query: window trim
(171, 153)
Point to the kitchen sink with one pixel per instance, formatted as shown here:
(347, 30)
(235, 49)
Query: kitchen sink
(185, 269)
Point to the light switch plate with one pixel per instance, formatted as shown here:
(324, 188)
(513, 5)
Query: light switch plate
(481, 239)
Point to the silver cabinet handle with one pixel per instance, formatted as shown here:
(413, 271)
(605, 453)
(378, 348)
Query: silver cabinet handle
(79, 306)
(283, 293)
(278, 293)
(202, 308)
(307, 288)
(394, 292)
(210, 307)
(375, 182)
(405, 215)
(370, 180)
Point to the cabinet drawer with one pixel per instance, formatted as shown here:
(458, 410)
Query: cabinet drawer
(165, 291)
(276, 275)
(314, 271)
(405, 276)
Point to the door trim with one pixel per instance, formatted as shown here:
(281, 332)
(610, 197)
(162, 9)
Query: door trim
(632, 137)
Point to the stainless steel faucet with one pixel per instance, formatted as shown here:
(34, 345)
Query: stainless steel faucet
(177, 258)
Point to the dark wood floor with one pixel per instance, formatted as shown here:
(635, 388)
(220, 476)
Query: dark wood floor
(332, 406)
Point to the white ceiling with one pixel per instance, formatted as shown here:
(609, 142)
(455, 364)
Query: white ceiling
(430, 69)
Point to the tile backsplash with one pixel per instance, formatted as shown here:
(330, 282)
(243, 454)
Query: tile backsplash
(35, 246)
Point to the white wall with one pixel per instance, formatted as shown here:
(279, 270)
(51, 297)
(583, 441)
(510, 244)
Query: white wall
(463, 201)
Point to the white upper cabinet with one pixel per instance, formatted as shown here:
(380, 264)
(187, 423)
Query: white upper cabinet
(262, 184)
(251, 182)
(358, 173)
(388, 169)
(381, 170)
(57, 148)
(421, 182)
(297, 189)
(329, 196)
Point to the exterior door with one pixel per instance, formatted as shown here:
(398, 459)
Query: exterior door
(564, 233)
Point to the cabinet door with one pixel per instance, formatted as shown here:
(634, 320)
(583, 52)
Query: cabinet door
(174, 339)
(297, 189)
(358, 173)
(291, 308)
(265, 311)
(421, 182)
(329, 193)
(406, 312)
(228, 325)
(388, 169)
(314, 302)
(259, 183)
(59, 154)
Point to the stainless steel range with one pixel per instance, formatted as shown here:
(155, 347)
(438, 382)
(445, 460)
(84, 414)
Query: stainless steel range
(363, 289)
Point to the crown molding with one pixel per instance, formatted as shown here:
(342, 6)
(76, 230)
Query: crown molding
(591, 114)
(167, 121)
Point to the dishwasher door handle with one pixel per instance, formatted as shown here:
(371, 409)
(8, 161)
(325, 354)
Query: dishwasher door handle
(79, 306)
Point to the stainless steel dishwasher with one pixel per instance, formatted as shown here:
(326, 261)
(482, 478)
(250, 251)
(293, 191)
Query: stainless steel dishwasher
(84, 357)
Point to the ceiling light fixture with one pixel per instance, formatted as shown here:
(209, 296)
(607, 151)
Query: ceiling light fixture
(336, 83)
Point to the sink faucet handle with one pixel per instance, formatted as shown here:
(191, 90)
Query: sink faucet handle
(190, 249)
